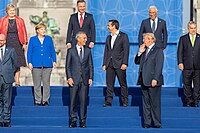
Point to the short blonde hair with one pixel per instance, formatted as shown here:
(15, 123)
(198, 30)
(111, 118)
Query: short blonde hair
(40, 25)
(150, 35)
(9, 6)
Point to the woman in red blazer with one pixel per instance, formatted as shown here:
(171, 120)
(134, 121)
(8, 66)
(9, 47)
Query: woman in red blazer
(16, 36)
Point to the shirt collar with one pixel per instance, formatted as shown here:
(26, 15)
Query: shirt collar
(80, 14)
(191, 35)
(116, 33)
(151, 46)
(4, 46)
(156, 19)
(78, 47)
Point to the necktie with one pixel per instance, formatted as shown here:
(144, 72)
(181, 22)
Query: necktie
(146, 53)
(1, 54)
(81, 20)
(153, 26)
(192, 40)
(81, 54)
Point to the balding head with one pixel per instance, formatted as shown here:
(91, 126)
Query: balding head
(2, 40)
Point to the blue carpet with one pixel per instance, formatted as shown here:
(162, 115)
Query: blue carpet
(27, 118)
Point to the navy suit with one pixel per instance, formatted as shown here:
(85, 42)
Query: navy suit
(160, 33)
(74, 27)
(190, 56)
(151, 69)
(113, 60)
(8, 67)
(80, 72)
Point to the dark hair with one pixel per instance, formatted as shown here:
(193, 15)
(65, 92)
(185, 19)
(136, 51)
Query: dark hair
(115, 23)
(80, 1)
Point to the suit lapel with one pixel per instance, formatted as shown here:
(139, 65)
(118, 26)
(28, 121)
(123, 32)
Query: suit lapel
(149, 25)
(150, 52)
(116, 40)
(78, 24)
(76, 53)
(5, 54)
(196, 40)
(84, 20)
(190, 42)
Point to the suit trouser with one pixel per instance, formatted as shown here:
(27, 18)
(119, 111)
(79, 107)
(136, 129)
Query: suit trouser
(191, 94)
(5, 100)
(41, 75)
(151, 102)
(111, 74)
(78, 91)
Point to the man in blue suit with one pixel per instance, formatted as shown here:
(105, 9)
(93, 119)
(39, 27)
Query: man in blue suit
(151, 59)
(188, 62)
(79, 71)
(154, 25)
(81, 21)
(8, 67)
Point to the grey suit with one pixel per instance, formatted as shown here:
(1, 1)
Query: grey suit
(8, 66)
(80, 72)
(74, 27)
(151, 69)
(160, 33)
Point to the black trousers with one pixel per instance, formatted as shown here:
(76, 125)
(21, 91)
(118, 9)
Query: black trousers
(191, 93)
(151, 104)
(78, 92)
(5, 100)
(111, 74)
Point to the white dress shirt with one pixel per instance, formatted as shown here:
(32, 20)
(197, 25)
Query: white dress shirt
(156, 22)
(113, 38)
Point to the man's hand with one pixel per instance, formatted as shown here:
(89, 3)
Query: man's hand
(123, 67)
(69, 45)
(153, 83)
(70, 82)
(90, 82)
(104, 67)
(181, 66)
(91, 45)
(142, 49)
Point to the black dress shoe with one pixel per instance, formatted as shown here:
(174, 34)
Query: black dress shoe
(157, 126)
(1, 124)
(73, 124)
(125, 104)
(146, 126)
(83, 124)
(37, 104)
(7, 124)
(45, 104)
(107, 104)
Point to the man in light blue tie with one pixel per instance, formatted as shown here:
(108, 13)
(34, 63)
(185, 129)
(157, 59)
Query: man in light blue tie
(8, 67)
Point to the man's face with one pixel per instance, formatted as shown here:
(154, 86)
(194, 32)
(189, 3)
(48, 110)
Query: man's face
(147, 40)
(82, 39)
(192, 29)
(152, 13)
(110, 27)
(2, 40)
(81, 7)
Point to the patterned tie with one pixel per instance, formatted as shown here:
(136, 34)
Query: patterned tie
(81, 54)
(192, 40)
(153, 26)
(81, 20)
(1, 54)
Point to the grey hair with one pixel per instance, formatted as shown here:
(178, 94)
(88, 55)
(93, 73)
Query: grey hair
(150, 35)
(78, 34)
(192, 23)
(154, 8)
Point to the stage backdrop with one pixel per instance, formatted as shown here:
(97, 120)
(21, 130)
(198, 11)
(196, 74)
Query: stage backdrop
(130, 13)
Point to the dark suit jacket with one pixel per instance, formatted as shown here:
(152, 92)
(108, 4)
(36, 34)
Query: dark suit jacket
(120, 51)
(151, 67)
(187, 54)
(160, 33)
(74, 27)
(76, 69)
(8, 65)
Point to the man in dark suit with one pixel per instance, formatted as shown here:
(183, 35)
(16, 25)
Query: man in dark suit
(154, 25)
(115, 62)
(80, 71)
(81, 21)
(188, 62)
(151, 59)
(8, 67)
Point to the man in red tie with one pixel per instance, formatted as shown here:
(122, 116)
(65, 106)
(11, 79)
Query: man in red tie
(81, 21)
